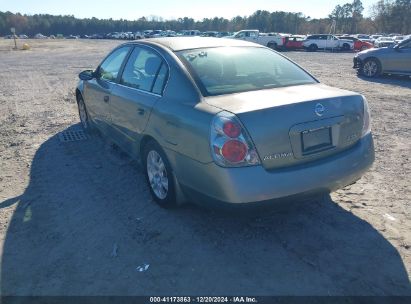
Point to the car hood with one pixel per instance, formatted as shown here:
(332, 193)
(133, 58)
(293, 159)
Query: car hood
(376, 51)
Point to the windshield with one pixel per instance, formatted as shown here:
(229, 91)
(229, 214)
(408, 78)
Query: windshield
(225, 70)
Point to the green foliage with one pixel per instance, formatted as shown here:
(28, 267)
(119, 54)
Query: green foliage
(393, 16)
(388, 16)
(67, 25)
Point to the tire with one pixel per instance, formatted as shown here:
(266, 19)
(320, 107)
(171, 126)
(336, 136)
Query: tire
(82, 111)
(346, 47)
(313, 48)
(272, 45)
(371, 68)
(159, 175)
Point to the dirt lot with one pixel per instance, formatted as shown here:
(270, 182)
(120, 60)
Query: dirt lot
(77, 218)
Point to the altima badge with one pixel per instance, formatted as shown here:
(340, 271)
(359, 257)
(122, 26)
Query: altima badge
(319, 109)
(278, 156)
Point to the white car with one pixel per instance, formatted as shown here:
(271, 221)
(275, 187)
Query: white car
(138, 35)
(40, 36)
(274, 41)
(384, 42)
(327, 42)
(398, 39)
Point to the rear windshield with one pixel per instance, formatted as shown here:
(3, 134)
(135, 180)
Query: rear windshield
(225, 70)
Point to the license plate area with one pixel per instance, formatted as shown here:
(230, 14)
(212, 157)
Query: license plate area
(316, 140)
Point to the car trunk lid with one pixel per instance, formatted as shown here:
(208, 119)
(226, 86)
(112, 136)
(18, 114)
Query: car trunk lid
(297, 124)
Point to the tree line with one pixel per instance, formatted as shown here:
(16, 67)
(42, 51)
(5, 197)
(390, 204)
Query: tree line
(387, 16)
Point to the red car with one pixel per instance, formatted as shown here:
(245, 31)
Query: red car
(359, 45)
(294, 42)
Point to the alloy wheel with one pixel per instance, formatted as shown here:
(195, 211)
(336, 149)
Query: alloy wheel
(157, 174)
(370, 68)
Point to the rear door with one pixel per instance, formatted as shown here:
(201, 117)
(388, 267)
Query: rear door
(140, 86)
(97, 92)
(332, 42)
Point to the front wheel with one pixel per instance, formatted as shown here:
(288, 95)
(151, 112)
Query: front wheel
(159, 175)
(371, 68)
(346, 47)
(82, 111)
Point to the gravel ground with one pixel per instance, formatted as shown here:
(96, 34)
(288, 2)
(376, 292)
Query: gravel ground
(77, 218)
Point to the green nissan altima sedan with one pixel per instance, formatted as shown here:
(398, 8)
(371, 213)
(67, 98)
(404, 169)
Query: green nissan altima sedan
(225, 121)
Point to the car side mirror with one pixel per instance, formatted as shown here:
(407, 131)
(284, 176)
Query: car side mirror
(87, 75)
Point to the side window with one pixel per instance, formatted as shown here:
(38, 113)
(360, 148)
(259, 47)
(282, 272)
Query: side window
(253, 34)
(111, 66)
(142, 69)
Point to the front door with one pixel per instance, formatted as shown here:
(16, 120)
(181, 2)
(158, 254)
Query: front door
(97, 92)
(400, 60)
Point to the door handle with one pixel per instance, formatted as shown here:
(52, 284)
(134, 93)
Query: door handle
(140, 111)
(106, 98)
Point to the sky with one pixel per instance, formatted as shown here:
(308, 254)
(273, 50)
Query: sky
(134, 9)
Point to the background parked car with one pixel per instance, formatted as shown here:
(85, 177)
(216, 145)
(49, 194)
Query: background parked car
(274, 41)
(359, 45)
(168, 33)
(210, 34)
(391, 60)
(327, 42)
(398, 39)
(294, 42)
(384, 42)
(224, 34)
(40, 36)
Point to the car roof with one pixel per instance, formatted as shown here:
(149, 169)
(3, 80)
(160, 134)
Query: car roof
(186, 43)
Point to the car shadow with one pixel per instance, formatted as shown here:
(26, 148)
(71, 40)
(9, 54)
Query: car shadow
(86, 225)
(394, 80)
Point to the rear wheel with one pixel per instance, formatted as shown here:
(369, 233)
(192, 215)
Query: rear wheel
(159, 175)
(313, 48)
(371, 68)
(272, 45)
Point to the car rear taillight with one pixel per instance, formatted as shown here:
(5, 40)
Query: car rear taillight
(366, 127)
(234, 151)
(231, 129)
(231, 146)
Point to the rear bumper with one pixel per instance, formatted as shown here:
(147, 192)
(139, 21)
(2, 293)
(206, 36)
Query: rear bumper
(211, 183)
